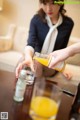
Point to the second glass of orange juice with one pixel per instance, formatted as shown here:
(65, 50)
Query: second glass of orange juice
(45, 101)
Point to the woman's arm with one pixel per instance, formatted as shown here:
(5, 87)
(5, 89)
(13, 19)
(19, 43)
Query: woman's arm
(29, 49)
(63, 54)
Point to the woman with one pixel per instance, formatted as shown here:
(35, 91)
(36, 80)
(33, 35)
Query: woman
(49, 30)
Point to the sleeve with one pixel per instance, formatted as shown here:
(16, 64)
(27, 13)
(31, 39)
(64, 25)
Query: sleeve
(32, 35)
(68, 35)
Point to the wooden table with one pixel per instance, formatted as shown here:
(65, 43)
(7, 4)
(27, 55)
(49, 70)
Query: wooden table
(19, 111)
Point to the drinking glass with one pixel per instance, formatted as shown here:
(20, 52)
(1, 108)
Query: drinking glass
(41, 58)
(45, 100)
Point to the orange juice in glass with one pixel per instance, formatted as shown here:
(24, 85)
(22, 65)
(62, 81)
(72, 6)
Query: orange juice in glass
(45, 101)
(41, 58)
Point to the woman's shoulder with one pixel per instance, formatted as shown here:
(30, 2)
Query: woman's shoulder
(67, 20)
(36, 18)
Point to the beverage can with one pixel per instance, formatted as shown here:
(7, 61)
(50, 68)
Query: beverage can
(20, 87)
(26, 77)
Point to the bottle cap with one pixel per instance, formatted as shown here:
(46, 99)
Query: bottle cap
(23, 72)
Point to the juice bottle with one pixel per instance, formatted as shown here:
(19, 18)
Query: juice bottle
(45, 60)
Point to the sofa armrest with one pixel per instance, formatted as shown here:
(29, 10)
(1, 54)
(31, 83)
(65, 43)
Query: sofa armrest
(75, 60)
(20, 39)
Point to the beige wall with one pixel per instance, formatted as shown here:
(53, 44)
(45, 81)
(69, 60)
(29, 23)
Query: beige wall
(18, 12)
(21, 11)
(74, 12)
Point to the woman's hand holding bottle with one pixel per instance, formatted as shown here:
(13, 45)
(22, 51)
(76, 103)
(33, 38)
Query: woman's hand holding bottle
(28, 62)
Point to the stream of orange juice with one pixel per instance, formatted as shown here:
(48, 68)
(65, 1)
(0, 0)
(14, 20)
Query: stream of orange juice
(43, 108)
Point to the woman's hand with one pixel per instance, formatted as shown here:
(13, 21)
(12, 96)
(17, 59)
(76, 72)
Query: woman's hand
(28, 62)
(59, 56)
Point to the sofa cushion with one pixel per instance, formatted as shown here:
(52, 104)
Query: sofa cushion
(6, 41)
(5, 44)
(20, 39)
(9, 60)
(75, 60)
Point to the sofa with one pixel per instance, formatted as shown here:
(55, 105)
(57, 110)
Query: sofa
(11, 54)
(10, 57)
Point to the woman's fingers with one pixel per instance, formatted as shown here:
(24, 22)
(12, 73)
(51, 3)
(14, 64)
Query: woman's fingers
(19, 67)
(54, 61)
(32, 67)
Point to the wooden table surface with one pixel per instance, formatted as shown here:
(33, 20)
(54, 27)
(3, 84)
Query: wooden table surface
(19, 111)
